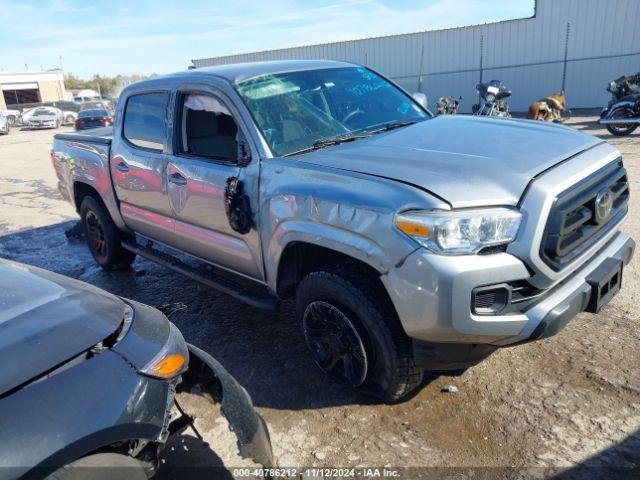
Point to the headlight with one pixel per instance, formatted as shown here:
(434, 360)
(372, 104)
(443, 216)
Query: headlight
(460, 232)
(172, 359)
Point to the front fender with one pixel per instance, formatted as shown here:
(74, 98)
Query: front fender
(207, 376)
(353, 244)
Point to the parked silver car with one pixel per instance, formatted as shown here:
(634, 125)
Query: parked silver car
(408, 242)
(4, 124)
(45, 117)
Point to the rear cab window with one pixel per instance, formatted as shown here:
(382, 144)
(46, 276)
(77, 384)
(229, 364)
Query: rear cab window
(144, 120)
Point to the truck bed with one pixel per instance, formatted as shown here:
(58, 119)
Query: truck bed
(101, 135)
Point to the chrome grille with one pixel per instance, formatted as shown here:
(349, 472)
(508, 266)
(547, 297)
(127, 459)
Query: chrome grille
(579, 216)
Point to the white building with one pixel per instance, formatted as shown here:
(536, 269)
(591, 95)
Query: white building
(528, 54)
(32, 87)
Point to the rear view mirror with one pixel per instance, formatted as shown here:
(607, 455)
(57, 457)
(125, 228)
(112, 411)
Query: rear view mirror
(421, 98)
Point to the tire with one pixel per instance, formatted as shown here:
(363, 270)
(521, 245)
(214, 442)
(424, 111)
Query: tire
(103, 237)
(11, 119)
(324, 299)
(69, 120)
(101, 466)
(621, 130)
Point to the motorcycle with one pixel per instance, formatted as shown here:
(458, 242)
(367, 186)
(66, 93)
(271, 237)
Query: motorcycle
(448, 105)
(622, 114)
(492, 99)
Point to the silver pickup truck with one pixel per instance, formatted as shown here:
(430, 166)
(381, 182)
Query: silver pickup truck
(410, 243)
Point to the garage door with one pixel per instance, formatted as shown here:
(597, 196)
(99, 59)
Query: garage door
(18, 93)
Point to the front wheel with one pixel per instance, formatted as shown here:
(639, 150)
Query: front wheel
(103, 237)
(353, 333)
(621, 129)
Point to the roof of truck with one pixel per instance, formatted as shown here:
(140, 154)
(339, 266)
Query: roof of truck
(238, 72)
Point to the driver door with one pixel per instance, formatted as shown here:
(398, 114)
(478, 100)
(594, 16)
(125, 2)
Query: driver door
(207, 153)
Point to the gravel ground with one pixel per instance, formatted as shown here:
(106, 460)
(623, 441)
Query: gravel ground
(568, 404)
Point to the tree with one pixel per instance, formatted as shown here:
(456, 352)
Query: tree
(105, 85)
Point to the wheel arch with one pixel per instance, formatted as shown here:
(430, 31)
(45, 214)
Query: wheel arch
(82, 188)
(104, 440)
(300, 257)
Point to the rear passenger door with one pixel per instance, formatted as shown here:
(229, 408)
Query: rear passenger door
(210, 147)
(139, 162)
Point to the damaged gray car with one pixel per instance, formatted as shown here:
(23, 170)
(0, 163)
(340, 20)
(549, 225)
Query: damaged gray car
(89, 381)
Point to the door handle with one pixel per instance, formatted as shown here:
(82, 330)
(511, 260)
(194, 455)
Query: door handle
(122, 166)
(177, 179)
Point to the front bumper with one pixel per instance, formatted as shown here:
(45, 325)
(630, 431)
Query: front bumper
(48, 124)
(432, 295)
(207, 377)
(204, 376)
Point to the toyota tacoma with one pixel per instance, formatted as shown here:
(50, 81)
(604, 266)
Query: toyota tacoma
(410, 243)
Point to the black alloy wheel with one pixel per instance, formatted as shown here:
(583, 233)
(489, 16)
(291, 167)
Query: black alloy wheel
(95, 235)
(335, 344)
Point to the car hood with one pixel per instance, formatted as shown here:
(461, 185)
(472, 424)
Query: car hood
(47, 319)
(465, 160)
(42, 117)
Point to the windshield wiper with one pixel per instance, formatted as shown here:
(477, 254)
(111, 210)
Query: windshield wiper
(391, 126)
(347, 137)
(327, 142)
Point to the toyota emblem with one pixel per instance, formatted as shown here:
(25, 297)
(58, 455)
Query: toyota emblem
(604, 204)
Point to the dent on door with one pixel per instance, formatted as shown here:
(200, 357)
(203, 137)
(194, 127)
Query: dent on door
(201, 223)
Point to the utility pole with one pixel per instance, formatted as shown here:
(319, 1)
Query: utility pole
(421, 68)
(566, 53)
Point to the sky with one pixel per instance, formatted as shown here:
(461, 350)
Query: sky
(110, 37)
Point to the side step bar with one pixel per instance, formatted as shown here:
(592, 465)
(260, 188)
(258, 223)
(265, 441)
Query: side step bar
(236, 290)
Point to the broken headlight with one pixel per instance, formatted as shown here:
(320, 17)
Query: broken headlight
(460, 232)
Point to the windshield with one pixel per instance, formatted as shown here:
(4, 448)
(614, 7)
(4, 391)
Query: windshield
(296, 110)
(42, 113)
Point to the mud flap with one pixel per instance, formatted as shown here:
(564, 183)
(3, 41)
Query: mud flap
(207, 377)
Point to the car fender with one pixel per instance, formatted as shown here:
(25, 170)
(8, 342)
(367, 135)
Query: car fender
(353, 244)
(90, 405)
(348, 212)
(209, 378)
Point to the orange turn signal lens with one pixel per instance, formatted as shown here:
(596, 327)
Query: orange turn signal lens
(168, 366)
(412, 228)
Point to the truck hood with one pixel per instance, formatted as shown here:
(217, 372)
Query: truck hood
(465, 160)
(47, 319)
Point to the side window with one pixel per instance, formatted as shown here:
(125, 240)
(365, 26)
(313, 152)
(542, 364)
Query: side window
(144, 119)
(208, 128)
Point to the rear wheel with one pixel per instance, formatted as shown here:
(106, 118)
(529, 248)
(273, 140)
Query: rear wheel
(103, 237)
(69, 120)
(621, 129)
(353, 333)
(101, 466)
